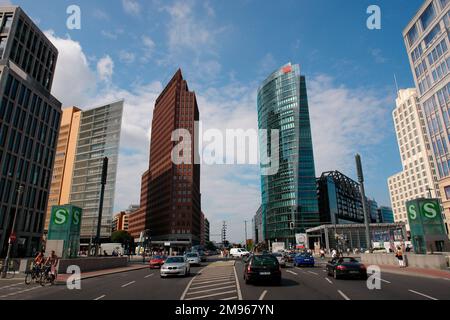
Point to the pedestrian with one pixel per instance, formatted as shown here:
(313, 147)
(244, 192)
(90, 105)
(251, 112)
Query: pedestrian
(333, 253)
(322, 254)
(399, 255)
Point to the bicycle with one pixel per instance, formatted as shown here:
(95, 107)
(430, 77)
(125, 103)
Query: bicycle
(34, 275)
(47, 277)
(12, 270)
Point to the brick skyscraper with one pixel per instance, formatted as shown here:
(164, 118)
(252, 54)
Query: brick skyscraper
(171, 202)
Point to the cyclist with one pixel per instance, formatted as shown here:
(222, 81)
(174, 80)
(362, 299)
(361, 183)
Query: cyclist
(52, 262)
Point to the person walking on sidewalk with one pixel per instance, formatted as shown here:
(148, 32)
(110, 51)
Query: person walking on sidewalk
(400, 257)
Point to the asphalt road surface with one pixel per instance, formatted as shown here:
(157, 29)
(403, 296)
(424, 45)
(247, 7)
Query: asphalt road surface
(222, 281)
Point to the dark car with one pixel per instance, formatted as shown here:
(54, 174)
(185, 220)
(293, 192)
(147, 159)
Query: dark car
(346, 267)
(262, 268)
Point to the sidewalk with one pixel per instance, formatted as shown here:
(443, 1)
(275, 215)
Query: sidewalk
(62, 278)
(418, 272)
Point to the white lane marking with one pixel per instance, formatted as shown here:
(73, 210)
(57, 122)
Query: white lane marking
(101, 297)
(212, 295)
(231, 298)
(423, 295)
(148, 276)
(343, 295)
(237, 284)
(189, 285)
(19, 292)
(448, 279)
(385, 281)
(314, 273)
(263, 295)
(329, 280)
(210, 285)
(127, 284)
(213, 281)
(292, 272)
(12, 285)
(216, 279)
(209, 290)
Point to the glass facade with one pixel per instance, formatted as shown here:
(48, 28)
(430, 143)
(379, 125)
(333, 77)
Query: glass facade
(98, 137)
(29, 124)
(289, 198)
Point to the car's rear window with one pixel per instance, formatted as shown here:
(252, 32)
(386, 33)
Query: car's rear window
(347, 260)
(264, 261)
(192, 255)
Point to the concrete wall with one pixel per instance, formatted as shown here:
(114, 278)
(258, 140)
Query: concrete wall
(93, 264)
(413, 260)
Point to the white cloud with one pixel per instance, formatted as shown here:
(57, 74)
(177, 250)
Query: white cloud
(377, 54)
(127, 57)
(100, 15)
(148, 46)
(105, 68)
(131, 7)
(344, 121)
(72, 67)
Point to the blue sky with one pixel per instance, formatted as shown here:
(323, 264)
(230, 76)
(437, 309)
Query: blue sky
(129, 49)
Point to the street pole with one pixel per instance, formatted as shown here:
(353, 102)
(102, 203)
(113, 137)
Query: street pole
(246, 247)
(363, 199)
(100, 209)
(10, 242)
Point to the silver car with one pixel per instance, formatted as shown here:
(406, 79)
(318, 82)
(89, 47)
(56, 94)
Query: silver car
(280, 258)
(193, 258)
(175, 266)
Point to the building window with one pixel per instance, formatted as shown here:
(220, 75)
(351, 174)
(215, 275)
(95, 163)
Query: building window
(427, 17)
(447, 192)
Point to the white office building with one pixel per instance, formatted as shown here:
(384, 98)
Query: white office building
(418, 178)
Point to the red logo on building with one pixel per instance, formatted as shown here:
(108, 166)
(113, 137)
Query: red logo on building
(287, 69)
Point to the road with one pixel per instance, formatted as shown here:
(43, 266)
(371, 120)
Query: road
(224, 281)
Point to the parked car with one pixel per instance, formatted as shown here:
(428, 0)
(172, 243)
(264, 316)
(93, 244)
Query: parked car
(262, 268)
(304, 259)
(290, 257)
(281, 259)
(156, 262)
(175, 266)
(193, 258)
(346, 267)
(239, 253)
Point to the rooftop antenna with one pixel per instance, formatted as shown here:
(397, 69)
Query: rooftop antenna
(396, 83)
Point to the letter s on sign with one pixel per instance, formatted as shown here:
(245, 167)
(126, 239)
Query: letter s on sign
(430, 210)
(412, 212)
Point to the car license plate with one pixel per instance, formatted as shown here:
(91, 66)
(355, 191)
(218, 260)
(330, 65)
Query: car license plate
(354, 272)
(264, 273)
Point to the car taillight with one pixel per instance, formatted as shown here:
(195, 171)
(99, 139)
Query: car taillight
(362, 267)
(341, 268)
(249, 268)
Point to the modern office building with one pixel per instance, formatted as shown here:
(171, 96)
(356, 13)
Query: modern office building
(170, 193)
(258, 236)
(61, 182)
(418, 178)
(207, 231)
(372, 205)
(202, 229)
(427, 41)
(339, 199)
(289, 199)
(86, 137)
(385, 214)
(121, 219)
(29, 124)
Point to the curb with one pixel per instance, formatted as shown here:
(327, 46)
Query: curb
(60, 282)
(413, 274)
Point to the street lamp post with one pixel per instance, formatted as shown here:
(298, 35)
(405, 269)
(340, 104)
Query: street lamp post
(363, 200)
(246, 247)
(10, 242)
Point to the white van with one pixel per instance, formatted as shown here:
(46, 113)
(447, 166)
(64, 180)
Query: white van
(239, 253)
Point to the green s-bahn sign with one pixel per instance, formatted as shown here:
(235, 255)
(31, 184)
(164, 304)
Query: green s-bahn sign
(425, 220)
(65, 224)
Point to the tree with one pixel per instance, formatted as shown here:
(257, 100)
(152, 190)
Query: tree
(210, 246)
(122, 237)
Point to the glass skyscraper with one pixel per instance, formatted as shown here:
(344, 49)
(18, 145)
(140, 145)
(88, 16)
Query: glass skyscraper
(289, 197)
(98, 137)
